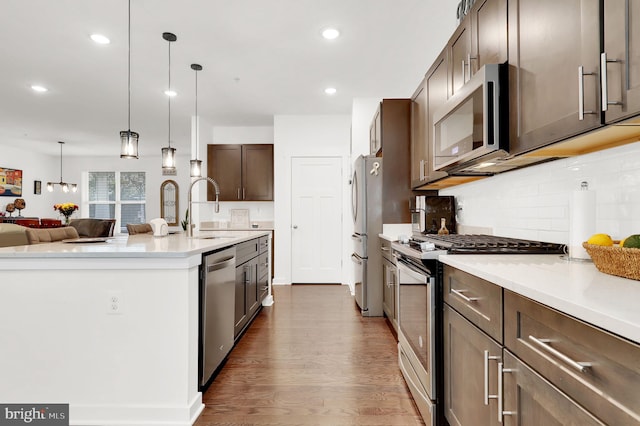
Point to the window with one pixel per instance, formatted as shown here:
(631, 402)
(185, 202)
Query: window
(119, 195)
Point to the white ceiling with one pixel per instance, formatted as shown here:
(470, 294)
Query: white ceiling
(261, 58)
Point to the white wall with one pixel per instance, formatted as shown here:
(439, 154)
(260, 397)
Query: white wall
(313, 135)
(533, 202)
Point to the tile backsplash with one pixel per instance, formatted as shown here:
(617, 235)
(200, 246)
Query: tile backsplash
(533, 202)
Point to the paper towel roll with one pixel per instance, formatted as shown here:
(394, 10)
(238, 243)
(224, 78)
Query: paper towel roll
(582, 221)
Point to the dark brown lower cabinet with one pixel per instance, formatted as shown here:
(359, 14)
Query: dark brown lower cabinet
(471, 360)
(530, 400)
(252, 280)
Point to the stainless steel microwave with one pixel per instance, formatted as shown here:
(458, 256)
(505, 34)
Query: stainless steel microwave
(471, 128)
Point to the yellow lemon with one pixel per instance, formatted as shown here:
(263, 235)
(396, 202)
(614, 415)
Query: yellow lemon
(600, 240)
(622, 242)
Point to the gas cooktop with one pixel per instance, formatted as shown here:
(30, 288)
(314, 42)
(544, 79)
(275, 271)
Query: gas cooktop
(488, 244)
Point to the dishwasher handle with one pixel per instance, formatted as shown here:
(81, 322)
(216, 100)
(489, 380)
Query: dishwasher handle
(227, 261)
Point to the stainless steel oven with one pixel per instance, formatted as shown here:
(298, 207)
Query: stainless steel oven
(417, 333)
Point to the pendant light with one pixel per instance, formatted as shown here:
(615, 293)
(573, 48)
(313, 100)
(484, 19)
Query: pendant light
(196, 165)
(129, 139)
(168, 153)
(64, 185)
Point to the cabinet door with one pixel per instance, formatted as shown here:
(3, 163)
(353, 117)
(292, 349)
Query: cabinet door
(470, 373)
(263, 276)
(419, 148)
(389, 289)
(549, 42)
(257, 172)
(251, 286)
(530, 400)
(489, 36)
(459, 48)
(622, 44)
(240, 304)
(224, 166)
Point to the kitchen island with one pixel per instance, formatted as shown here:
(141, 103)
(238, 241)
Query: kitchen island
(109, 327)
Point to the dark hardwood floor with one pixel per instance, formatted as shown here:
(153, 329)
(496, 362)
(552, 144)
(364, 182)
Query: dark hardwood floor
(311, 359)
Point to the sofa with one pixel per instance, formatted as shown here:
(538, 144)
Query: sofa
(17, 235)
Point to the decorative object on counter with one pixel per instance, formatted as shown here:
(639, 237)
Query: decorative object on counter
(66, 210)
(615, 260)
(196, 165)
(10, 208)
(185, 222)
(169, 202)
(10, 182)
(239, 218)
(19, 204)
(37, 187)
(582, 220)
(159, 227)
(64, 185)
(217, 205)
(168, 153)
(129, 139)
(443, 227)
(464, 6)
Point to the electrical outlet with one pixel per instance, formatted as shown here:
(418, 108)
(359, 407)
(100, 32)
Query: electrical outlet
(115, 302)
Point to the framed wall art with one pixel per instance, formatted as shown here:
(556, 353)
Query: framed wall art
(10, 182)
(37, 187)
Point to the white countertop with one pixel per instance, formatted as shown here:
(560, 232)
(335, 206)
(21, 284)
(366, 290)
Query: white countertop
(135, 246)
(575, 288)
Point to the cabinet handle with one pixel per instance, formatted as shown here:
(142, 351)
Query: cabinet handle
(581, 111)
(243, 193)
(464, 78)
(501, 412)
(604, 85)
(469, 58)
(460, 294)
(544, 344)
(487, 397)
(238, 194)
(384, 248)
(422, 173)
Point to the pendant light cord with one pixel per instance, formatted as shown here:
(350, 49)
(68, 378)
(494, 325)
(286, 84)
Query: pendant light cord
(61, 161)
(169, 96)
(197, 117)
(129, 76)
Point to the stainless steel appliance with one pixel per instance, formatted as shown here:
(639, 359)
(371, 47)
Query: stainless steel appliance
(420, 307)
(471, 129)
(217, 295)
(427, 212)
(366, 208)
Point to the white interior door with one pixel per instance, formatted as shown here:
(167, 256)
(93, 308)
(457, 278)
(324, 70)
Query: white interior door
(316, 220)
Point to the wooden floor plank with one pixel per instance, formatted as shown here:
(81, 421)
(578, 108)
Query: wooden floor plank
(311, 359)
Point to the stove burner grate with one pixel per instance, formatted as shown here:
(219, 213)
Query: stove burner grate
(479, 244)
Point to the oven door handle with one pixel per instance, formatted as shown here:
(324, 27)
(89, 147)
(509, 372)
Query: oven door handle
(421, 276)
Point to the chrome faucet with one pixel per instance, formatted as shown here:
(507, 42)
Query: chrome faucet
(217, 208)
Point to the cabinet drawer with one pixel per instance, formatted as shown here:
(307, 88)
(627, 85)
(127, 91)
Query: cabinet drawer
(263, 244)
(558, 347)
(476, 299)
(263, 265)
(247, 251)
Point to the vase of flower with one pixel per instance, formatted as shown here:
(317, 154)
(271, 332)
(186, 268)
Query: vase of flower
(66, 210)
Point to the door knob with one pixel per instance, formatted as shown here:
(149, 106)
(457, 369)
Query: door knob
(295, 226)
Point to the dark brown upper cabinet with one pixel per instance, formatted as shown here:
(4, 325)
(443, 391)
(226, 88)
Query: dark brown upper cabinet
(481, 38)
(244, 172)
(554, 83)
(429, 96)
(620, 61)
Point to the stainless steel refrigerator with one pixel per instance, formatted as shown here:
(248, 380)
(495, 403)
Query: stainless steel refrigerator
(366, 208)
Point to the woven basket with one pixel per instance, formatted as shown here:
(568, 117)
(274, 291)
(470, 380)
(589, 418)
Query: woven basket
(614, 260)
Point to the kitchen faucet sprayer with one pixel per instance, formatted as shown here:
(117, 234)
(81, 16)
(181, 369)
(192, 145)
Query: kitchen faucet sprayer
(217, 208)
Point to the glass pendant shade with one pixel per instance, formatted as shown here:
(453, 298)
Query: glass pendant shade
(196, 168)
(128, 144)
(50, 186)
(168, 158)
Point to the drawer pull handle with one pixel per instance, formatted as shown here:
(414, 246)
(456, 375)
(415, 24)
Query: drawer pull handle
(487, 357)
(544, 344)
(460, 294)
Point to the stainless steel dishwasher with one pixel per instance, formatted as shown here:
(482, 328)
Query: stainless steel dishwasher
(217, 310)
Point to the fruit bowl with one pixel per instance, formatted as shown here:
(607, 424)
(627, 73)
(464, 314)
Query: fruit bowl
(615, 260)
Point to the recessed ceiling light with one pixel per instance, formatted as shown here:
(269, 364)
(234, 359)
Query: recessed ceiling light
(330, 90)
(330, 33)
(170, 93)
(38, 88)
(100, 39)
